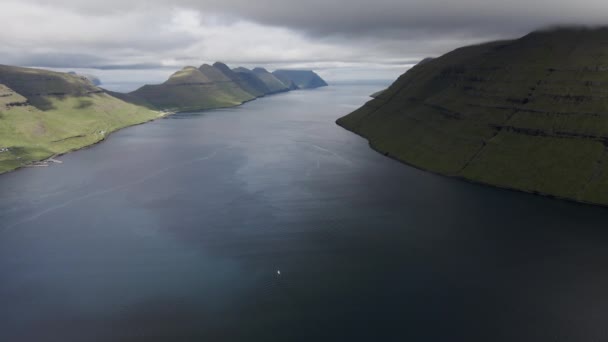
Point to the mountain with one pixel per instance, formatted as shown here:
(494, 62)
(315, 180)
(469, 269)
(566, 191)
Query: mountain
(194, 89)
(43, 113)
(274, 84)
(303, 79)
(376, 94)
(248, 82)
(529, 114)
(207, 87)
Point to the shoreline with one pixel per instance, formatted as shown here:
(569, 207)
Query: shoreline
(473, 181)
(51, 159)
(162, 114)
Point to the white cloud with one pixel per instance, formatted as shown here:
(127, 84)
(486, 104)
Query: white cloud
(336, 37)
(165, 36)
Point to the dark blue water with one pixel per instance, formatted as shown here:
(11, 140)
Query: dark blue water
(175, 231)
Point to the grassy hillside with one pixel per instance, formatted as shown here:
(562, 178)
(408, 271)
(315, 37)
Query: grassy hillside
(210, 86)
(252, 81)
(247, 81)
(43, 113)
(194, 89)
(529, 114)
(36, 82)
(274, 84)
(54, 113)
(303, 79)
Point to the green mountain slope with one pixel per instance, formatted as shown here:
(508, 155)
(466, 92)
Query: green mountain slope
(303, 79)
(247, 81)
(254, 82)
(529, 114)
(194, 89)
(43, 113)
(274, 84)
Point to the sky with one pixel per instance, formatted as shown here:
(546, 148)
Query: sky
(141, 41)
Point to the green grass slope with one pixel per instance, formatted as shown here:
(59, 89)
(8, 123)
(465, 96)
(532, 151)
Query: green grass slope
(194, 89)
(247, 81)
(303, 79)
(54, 113)
(529, 114)
(274, 84)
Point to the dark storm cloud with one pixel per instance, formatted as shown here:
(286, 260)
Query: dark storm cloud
(347, 17)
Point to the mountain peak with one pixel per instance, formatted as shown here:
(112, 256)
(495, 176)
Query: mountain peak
(188, 74)
(213, 73)
(220, 65)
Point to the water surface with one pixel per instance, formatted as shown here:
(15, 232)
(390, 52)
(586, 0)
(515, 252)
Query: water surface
(175, 231)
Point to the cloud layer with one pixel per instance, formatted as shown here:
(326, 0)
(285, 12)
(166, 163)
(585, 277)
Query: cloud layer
(384, 35)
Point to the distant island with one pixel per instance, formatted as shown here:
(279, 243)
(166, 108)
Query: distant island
(529, 114)
(45, 113)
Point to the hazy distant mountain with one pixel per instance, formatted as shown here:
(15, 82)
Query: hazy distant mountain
(274, 84)
(529, 114)
(194, 89)
(303, 79)
(247, 81)
(43, 113)
(210, 86)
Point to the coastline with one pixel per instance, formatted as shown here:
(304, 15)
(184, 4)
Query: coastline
(51, 158)
(473, 181)
(162, 114)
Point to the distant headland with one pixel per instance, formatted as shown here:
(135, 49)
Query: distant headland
(46, 113)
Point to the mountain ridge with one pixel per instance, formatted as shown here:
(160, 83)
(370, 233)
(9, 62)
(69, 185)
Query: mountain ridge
(212, 86)
(44, 113)
(302, 79)
(529, 114)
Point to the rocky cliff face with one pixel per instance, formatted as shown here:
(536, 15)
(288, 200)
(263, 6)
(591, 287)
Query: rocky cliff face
(529, 114)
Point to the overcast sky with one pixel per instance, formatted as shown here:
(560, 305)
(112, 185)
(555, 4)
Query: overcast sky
(342, 39)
